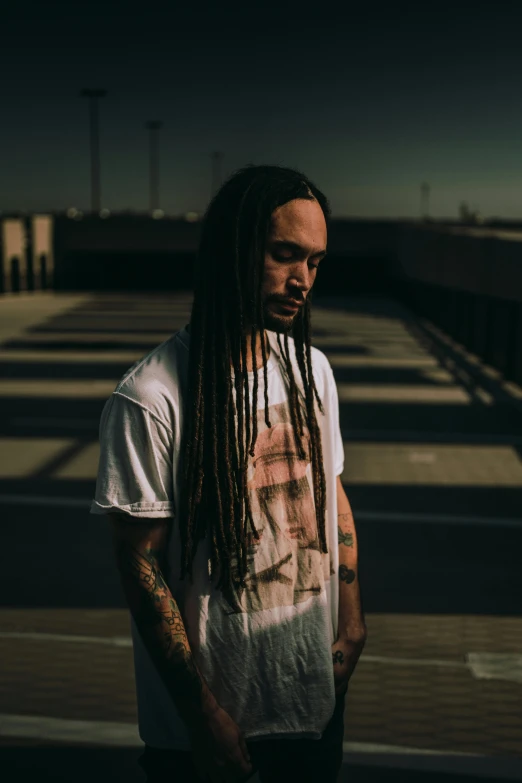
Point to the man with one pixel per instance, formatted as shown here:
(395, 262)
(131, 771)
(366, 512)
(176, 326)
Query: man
(233, 535)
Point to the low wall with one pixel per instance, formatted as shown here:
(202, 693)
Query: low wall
(469, 282)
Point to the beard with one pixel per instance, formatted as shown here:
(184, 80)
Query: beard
(277, 322)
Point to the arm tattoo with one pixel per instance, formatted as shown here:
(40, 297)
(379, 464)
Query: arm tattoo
(159, 620)
(338, 657)
(345, 538)
(346, 574)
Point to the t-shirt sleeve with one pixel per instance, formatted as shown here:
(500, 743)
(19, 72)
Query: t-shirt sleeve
(135, 470)
(337, 438)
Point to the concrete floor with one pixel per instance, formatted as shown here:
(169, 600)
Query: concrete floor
(433, 471)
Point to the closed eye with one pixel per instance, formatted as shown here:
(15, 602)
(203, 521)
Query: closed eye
(291, 258)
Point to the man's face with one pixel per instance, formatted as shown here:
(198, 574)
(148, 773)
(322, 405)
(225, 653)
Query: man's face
(295, 246)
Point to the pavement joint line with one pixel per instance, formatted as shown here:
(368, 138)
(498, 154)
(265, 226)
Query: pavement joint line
(112, 641)
(114, 734)
(118, 734)
(481, 666)
(412, 661)
(368, 516)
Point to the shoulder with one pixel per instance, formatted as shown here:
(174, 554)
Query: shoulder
(322, 370)
(153, 383)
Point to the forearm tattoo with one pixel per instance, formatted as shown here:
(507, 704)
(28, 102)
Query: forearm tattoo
(158, 619)
(338, 657)
(346, 574)
(345, 537)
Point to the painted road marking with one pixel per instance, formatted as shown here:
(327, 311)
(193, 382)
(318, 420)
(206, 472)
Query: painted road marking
(112, 641)
(113, 734)
(126, 734)
(482, 666)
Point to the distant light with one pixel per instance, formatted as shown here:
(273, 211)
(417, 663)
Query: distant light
(71, 212)
(105, 213)
(191, 217)
(78, 214)
(157, 214)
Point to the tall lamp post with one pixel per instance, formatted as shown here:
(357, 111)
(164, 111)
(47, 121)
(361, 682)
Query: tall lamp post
(425, 201)
(153, 127)
(217, 159)
(93, 96)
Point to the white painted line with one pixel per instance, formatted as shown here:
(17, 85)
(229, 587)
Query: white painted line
(495, 666)
(375, 747)
(482, 666)
(113, 734)
(412, 661)
(111, 641)
(126, 734)
(43, 500)
(74, 731)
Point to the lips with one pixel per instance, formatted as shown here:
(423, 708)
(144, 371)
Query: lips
(290, 305)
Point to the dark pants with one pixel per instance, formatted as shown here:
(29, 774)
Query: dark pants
(278, 760)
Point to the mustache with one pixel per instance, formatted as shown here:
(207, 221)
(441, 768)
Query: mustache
(292, 302)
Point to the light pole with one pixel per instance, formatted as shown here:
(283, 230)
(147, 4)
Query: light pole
(93, 96)
(217, 159)
(153, 128)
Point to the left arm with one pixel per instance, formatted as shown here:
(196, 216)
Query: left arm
(352, 627)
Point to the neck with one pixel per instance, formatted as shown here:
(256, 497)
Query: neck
(259, 350)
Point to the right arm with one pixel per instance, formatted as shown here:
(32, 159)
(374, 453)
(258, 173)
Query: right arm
(140, 547)
(218, 746)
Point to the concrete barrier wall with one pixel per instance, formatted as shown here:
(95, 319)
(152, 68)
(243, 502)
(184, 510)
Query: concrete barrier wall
(26, 253)
(472, 260)
(138, 252)
(467, 280)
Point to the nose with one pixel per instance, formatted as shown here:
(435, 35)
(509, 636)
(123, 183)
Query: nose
(299, 284)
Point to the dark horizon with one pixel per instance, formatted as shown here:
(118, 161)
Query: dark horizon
(369, 107)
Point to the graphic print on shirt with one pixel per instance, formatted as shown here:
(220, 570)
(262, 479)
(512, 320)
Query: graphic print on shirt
(285, 566)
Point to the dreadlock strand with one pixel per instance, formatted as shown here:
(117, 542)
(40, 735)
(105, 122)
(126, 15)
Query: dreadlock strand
(259, 308)
(307, 329)
(294, 403)
(228, 439)
(317, 462)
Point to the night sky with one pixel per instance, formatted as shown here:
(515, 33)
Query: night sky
(368, 102)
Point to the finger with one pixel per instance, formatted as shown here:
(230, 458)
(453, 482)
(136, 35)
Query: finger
(244, 749)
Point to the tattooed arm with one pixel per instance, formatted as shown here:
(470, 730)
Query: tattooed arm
(351, 620)
(139, 546)
(352, 627)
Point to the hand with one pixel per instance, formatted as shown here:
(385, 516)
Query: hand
(219, 750)
(345, 654)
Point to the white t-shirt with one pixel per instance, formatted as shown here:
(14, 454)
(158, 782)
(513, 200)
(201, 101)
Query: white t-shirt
(265, 651)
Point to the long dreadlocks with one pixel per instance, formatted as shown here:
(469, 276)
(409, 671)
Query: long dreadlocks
(227, 296)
